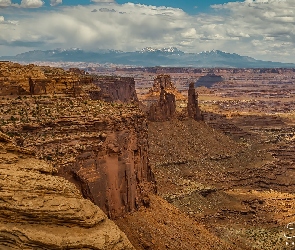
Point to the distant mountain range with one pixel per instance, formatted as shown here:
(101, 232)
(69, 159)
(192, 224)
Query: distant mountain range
(149, 57)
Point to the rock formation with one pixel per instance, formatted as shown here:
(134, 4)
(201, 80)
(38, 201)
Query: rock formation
(162, 81)
(193, 108)
(114, 89)
(16, 79)
(78, 71)
(101, 147)
(164, 109)
(208, 80)
(112, 168)
(42, 211)
(37, 80)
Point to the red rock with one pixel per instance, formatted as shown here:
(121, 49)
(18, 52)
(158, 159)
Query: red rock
(193, 108)
(163, 110)
(114, 89)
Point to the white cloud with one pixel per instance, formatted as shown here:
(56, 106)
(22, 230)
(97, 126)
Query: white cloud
(190, 33)
(262, 26)
(263, 29)
(55, 2)
(25, 3)
(5, 3)
(31, 3)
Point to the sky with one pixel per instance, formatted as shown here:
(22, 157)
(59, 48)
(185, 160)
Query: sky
(263, 29)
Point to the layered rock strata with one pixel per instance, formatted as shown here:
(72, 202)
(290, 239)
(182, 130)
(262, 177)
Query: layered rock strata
(161, 81)
(164, 109)
(101, 147)
(16, 79)
(113, 89)
(193, 108)
(42, 211)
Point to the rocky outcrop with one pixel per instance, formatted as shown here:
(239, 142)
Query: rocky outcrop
(78, 71)
(162, 81)
(41, 211)
(193, 108)
(164, 110)
(208, 80)
(112, 170)
(115, 89)
(101, 147)
(16, 79)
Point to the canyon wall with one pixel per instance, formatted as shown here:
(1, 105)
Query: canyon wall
(114, 89)
(87, 131)
(101, 147)
(17, 79)
(41, 211)
(112, 168)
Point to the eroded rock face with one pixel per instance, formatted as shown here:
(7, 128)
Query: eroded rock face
(115, 89)
(42, 211)
(162, 81)
(101, 147)
(193, 108)
(164, 110)
(16, 79)
(113, 170)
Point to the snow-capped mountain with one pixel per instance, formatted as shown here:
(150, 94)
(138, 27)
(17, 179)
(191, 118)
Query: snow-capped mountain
(169, 50)
(170, 56)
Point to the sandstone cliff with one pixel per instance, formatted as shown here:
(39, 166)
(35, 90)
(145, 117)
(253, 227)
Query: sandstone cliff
(42, 211)
(161, 81)
(101, 147)
(164, 109)
(193, 108)
(16, 79)
(115, 89)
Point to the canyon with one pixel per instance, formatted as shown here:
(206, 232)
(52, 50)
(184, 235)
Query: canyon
(174, 167)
